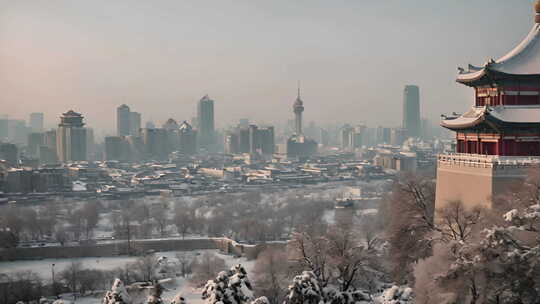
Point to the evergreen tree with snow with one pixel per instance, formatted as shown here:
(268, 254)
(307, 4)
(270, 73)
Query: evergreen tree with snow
(229, 287)
(306, 289)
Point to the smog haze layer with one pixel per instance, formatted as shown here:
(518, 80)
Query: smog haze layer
(353, 57)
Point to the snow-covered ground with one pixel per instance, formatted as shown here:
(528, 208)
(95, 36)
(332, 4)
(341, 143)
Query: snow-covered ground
(43, 268)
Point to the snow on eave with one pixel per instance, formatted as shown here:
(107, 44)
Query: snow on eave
(471, 76)
(524, 59)
(528, 44)
(516, 114)
(468, 119)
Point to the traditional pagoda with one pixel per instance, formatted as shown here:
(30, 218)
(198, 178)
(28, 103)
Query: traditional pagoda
(498, 139)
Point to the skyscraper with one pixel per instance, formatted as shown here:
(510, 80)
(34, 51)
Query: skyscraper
(155, 143)
(188, 139)
(205, 118)
(47, 152)
(411, 111)
(71, 137)
(9, 153)
(4, 129)
(35, 141)
(135, 123)
(18, 131)
(123, 117)
(36, 122)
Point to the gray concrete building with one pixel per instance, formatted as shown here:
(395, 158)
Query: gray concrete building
(135, 123)
(9, 153)
(123, 117)
(411, 111)
(36, 122)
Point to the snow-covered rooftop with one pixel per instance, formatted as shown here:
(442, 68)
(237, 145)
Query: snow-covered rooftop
(516, 114)
(529, 114)
(522, 60)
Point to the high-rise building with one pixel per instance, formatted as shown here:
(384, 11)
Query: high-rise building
(267, 143)
(188, 139)
(397, 136)
(47, 152)
(71, 138)
(91, 154)
(135, 123)
(9, 153)
(411, 111)
(36, 122)
(353, 137)
(155, 143)
(18, 131)
(383, 135)
(172, 133)
(205, 119)
(324, 137)
(345, 136)
(123, 117)
(498, 138)
(35, 141)
(231, 143)
(252, 139)
(117, 148)
(4, 129)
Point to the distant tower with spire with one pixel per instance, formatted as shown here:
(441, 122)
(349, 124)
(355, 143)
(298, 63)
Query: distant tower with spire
(298, 146)
(298, 109)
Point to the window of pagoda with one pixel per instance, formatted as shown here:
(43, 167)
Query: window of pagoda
(520, 147)
(520, 96)
(478, 143)
(487, 96)
(510, 95)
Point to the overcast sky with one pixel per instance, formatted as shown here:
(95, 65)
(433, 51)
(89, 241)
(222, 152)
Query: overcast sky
(353, 57)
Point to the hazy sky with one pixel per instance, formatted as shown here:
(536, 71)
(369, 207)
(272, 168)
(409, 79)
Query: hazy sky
(159, 57)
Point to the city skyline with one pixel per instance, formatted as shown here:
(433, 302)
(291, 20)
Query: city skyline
(147, 66)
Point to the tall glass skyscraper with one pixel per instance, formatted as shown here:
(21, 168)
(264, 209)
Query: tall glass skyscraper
(411, 111)
(205, 118)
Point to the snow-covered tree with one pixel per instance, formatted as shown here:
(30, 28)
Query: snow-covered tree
(178, 299)
(306, 289)
(229, 287)
(117, 295)
(396, 295)
(496, 265)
